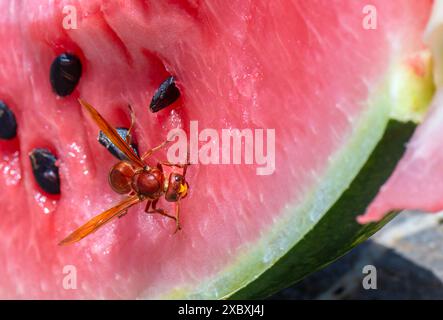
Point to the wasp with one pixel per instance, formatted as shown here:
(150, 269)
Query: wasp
(135, 178)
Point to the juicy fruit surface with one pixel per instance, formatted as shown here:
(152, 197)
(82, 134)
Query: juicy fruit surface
(303, 68)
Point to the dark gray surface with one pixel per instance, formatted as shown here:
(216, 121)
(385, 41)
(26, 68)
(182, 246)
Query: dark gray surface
(408, 257)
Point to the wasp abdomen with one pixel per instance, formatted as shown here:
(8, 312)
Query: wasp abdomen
(120, 177)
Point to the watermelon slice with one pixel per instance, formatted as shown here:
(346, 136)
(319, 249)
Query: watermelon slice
(340, 96)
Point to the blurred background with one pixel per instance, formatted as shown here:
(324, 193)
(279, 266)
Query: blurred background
(407, 254)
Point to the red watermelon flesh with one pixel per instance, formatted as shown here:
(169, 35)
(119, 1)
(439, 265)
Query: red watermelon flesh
(303, 68)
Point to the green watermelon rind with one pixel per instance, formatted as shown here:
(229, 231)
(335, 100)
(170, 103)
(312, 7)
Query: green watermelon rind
(337, 232)
(306, 237)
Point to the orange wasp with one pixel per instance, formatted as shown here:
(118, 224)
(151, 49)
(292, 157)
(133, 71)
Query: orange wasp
(135, 178)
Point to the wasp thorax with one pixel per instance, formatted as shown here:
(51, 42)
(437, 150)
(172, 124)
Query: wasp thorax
(148, 183)
(120, 177)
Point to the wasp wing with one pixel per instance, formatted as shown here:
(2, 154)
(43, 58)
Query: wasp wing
(112, 134)
(100, 220)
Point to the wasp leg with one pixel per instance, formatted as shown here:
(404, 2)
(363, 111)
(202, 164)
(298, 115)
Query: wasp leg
(151, 151)
(178, 165)
(148, 204)
(164, 213)
(177, 217)
(131, 127)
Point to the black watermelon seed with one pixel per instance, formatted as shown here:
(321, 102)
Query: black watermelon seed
(112, 148)
(165, 95)
(45, 170)
(65, 73)
(8, 124)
